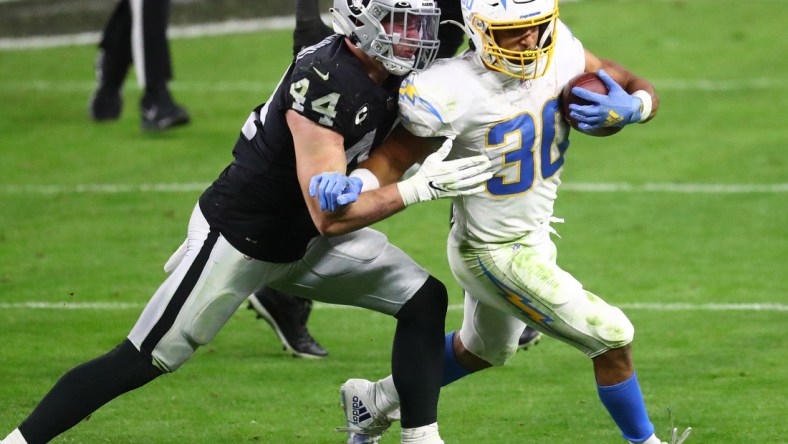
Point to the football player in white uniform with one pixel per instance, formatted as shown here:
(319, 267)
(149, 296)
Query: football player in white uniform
(501, 99)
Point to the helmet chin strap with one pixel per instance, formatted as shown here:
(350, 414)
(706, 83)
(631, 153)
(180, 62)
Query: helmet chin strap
(548, 32)
(457, 24)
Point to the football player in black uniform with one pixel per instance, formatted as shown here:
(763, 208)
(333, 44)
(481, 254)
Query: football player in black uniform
(257, 225)
(287, 314)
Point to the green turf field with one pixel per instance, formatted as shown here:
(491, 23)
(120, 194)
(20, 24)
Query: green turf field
(697, 269)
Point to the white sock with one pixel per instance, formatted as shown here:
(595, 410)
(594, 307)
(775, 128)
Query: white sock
(651, 440)
(386, 396)
(427, 434)
(14, 437)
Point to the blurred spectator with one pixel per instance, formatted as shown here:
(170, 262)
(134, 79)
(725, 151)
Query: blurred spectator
(137, 33)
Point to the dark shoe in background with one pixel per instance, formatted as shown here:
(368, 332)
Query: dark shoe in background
(162, 116)
(106, 102)
(529, 337)
(288, 316)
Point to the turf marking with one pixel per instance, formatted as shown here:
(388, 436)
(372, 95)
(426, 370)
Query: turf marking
(288, 22)
(586, 187)
(174, 32)
(115, 306)
(704, 85)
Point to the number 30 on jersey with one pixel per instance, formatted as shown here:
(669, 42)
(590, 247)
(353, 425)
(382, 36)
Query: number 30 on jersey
(524, 156)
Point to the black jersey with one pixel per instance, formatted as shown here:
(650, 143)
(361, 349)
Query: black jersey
(256, 203)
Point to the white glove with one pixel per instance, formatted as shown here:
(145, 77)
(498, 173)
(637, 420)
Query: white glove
(438, 178)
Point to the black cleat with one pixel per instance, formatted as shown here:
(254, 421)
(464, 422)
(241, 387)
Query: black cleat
(162, 116)
(287, 315)
(105, 104)
(530, 336)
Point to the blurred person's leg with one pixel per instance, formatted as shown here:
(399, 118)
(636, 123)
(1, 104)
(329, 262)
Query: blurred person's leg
(309, 28)
(153, 65)
(112, 64)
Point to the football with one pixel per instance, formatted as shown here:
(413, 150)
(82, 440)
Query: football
(591, 82)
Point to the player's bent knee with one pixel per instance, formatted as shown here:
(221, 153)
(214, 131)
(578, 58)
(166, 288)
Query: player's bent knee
(498, 356)
(429, 302)
(616, 330)
(495, 353)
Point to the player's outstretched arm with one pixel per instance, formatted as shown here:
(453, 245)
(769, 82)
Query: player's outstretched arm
(437, 178)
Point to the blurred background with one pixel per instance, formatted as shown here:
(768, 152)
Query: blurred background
(53, 17)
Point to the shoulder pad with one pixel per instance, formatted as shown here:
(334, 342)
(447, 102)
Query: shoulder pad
(569, 56)
(321, 88)
(429, 101)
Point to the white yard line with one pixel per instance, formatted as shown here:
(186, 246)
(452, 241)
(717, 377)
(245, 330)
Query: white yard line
(288, 22)
(115, 306)
(174, 32)
(284, 23)
(586, 187)
(706, 85)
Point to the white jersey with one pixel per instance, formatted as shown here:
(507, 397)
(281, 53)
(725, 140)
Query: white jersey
(516, 123)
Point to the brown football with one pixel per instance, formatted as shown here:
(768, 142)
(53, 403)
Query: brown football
(591, 82)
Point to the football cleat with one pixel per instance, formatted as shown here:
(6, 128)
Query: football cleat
(365, 424)
(529, 337)
(162, 116)
(287, 315)
(675, 439)
(105, 104)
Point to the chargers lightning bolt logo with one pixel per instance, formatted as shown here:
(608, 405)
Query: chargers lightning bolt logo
(408, 92)
(518, 300)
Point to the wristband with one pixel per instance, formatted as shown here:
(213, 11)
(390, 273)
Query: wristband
(369, 181)
(408, 191)
(645, 107)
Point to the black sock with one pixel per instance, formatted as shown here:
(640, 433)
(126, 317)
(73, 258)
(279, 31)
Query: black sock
(417, 357)
(85, 388)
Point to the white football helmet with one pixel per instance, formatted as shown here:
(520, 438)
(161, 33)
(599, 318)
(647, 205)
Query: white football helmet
(484, 17)
(401, 34)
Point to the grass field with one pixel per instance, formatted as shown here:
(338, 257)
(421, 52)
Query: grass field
(700, 270)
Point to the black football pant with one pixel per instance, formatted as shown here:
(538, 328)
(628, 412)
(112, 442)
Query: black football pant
(137, 33)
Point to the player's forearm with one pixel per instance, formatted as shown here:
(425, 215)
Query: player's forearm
(372, 206)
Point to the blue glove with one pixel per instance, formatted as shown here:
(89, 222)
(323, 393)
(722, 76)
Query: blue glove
(618, 108)
(350, 194)
(334, 190)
